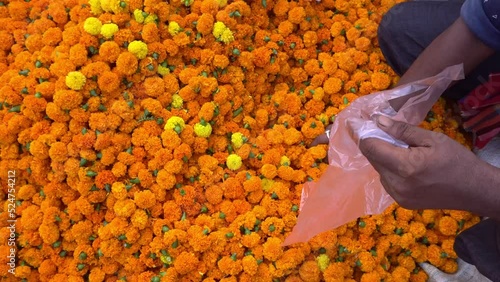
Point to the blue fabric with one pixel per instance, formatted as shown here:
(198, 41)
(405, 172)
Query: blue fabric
(483, 19)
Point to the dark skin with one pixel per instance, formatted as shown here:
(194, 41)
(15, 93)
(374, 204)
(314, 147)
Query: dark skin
(435, 172)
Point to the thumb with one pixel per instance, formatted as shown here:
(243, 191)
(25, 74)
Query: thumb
(410, 134)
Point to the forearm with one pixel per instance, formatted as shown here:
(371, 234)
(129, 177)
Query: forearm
(455, 45)
(485, 193)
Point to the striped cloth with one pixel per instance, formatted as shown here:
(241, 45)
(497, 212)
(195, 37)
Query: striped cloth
(480, 110)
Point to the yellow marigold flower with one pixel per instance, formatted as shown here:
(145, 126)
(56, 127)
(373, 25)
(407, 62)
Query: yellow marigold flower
(138, 16)
(106, 5)
(233, 162)
(138, 48)
(221, 3)
(92, 25)
(323, 261)
(163, 71)
(227, 36)
(219, 28)
(203, 129)
(285, 161)
(267, 184)
(108, 30)
(150, 19)
(75, 80)
(175, 123)
(177, 101)
(116, 5)
(174, 28)
(95, 7)
(237, 139)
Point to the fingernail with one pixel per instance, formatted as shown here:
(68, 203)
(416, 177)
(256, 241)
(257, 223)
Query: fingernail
(384, 121)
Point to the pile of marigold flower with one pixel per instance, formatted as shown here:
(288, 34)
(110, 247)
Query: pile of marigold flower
(167, 141)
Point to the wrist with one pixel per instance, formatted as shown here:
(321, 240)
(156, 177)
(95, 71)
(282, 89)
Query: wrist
(485, 189)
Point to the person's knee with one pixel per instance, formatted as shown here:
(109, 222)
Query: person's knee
(392, 26)
(393, 37)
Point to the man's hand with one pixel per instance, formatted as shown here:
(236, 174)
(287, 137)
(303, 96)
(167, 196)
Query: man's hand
(435, 172)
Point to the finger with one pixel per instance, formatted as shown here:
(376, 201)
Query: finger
(322, 139)
(410, 134)
(382, 154)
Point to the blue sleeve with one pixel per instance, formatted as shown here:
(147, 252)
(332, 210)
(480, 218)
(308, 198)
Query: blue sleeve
(483, 19)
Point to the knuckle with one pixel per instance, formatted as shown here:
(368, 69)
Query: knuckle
(406, 131)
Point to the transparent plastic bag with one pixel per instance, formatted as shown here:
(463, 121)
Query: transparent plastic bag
(350, 187)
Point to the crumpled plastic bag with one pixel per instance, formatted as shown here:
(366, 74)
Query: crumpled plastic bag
(350, 187)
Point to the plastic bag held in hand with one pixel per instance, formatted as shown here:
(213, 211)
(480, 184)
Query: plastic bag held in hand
(350, 187)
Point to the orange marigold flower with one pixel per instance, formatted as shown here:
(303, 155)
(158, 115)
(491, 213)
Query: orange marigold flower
(335, 272)
(108, 81)
(220, 61)
(296, 15)
(150, 33)
(78, 54)
(370, 277)
(380, 80)
(435, 255)
(309, 271)
(52, 36)
(67, 99)
(205, 24)
(139, 219)
(366, 261)
(230, 266)
(332, 85)
(127, 63)
(124, 208)
(429, 216)
(250, 265)
(186, 262)
(285, 28)
(39, 149)
(58, 152)
(400, 274)
(272, 249)
(144, 199)
(450, 266)
(110, 51)
(214, 194)
(447, 226)
(49, 233)
(362, 44)
(165, 179)
(447, 246)
(154, 86)
(417, 229)
(268, 171)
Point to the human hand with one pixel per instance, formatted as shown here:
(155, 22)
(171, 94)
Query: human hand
(435, 172)
(323, 138)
